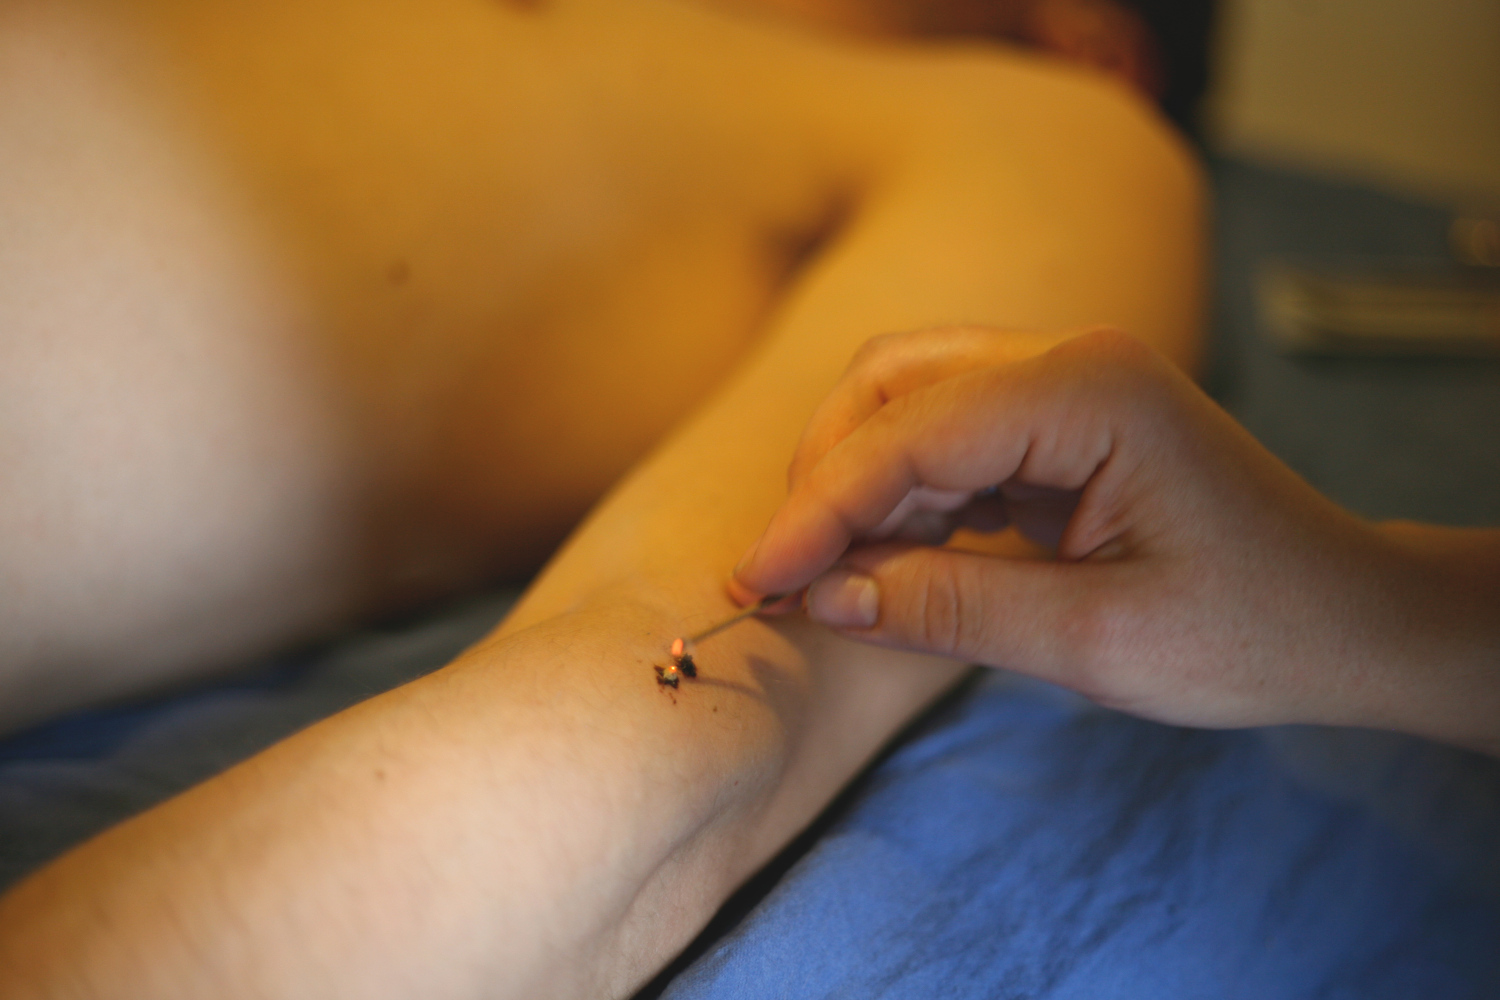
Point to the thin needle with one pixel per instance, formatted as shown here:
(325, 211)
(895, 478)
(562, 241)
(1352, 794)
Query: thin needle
(682, 664)
(738, 616)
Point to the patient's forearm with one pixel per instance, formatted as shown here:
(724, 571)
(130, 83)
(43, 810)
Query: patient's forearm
(539, 818)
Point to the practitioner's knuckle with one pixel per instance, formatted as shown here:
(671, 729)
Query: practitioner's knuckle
(886, 356)
(885, 367)
(1108, 345)
(940, 614)
(941, 611)
(972, 607)
(1115, 367)
(889, 419)
(874, 353)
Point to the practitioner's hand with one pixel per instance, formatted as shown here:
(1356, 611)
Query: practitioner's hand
(1197, 579)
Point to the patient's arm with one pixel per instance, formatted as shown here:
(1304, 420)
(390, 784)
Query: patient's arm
(540, 817)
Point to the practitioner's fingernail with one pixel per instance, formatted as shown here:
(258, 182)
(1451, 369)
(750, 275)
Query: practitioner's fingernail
(740, 594)
(844, 599)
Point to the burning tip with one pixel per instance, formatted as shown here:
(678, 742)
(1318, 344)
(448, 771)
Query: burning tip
(682, 659)
(682, 665)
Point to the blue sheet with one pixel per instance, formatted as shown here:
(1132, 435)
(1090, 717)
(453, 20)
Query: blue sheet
(68, 779)
(1027, 844)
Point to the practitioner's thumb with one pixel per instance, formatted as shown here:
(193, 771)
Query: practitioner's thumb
(1020, 614)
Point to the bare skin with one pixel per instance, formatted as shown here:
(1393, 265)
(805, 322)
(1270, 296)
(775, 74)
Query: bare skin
(402, 292)
(540, 817)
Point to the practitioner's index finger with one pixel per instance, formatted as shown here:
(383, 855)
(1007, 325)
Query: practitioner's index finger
(943, 437)
(851, 401)
(1046, 420)
(818, 522)
(890, 366)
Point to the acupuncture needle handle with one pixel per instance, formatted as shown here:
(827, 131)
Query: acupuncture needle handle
(739, 616)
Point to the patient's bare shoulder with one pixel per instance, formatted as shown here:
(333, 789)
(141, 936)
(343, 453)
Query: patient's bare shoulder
(989, 178)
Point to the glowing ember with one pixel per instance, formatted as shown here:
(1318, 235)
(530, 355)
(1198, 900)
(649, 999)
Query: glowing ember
(682, 665)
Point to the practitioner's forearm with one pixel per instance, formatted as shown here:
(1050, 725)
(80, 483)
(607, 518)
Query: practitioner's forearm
(1444, 674)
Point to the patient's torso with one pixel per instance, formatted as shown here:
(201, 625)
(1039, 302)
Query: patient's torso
(529, 237)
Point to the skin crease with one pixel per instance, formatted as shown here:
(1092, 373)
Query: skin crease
(597, 204)
(1198, 581)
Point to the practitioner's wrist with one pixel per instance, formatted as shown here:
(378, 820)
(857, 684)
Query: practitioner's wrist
(1447, 663)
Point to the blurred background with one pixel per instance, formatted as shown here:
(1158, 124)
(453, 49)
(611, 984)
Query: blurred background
(1354, 147)
(1404, 94)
